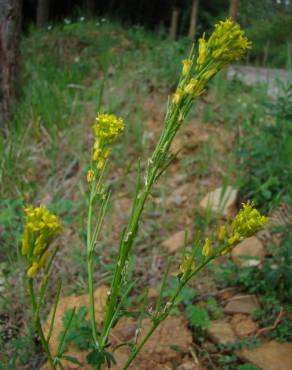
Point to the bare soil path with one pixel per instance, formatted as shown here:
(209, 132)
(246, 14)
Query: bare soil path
(254, 75)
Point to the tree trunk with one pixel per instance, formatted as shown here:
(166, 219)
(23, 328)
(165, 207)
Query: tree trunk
(193, 20)
(42, 12)
(173, 24)
(90, 8)
(233, 9)
(10, 20)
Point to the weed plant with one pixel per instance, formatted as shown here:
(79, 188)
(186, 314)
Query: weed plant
(226, 44)
(75, 88)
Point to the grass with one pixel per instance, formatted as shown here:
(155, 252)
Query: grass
(45, 155)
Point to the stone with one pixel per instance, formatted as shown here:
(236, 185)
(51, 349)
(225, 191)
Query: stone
(220, 200)
(221, 332)
(175, 242)
(245, 304)
(250, 247)
(270, 356)
(70, 302)
(157, 352)
(245, 327)
(152, 293)
(190, 365)
(179, 196)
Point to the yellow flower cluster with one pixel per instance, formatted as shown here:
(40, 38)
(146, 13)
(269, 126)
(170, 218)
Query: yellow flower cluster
(246, 223)
(41, 227)
(188, 263)
(206, 251)
(226, 44)
(106, 129)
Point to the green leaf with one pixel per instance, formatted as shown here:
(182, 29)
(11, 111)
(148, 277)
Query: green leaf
(247, 367)
(72, 359)
(197, 316)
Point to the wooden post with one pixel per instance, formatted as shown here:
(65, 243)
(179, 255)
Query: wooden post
(233, 9)
(10, 22)
(173, 24)
(193, 20)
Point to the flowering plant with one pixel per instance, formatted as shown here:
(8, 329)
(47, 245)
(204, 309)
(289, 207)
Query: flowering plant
(226, 44)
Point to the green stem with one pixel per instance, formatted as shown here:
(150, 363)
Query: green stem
(90, 268)
(91, 300)
(37, 324)
(139, 347)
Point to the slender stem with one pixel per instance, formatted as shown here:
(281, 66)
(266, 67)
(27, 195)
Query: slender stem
(90, 267)
(139, 347)
(37, 324)
(91, 300)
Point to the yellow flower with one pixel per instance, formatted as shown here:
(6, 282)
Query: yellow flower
(177, 96)
(187, 63)
(226, 44)
(234, 238)
(202, 51)
(96, 154)
(90, 176)
(191, 86)
(222, 233)
(32, 271)
(188, 263)
(108, 127)
(248, 221)
(206, 248)
(100, 164)
(44, 259)
(40, 228)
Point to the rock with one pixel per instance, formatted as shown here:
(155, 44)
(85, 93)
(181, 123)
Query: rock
(270, 356)
(153, 293)
(250, 247)
(175, 242)
(179, 196)
(70, 302)
(237, 318)
(242, 304)
(157, 352)
(190, 365)
(243, 325)
(221, 332)
(220, 200)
